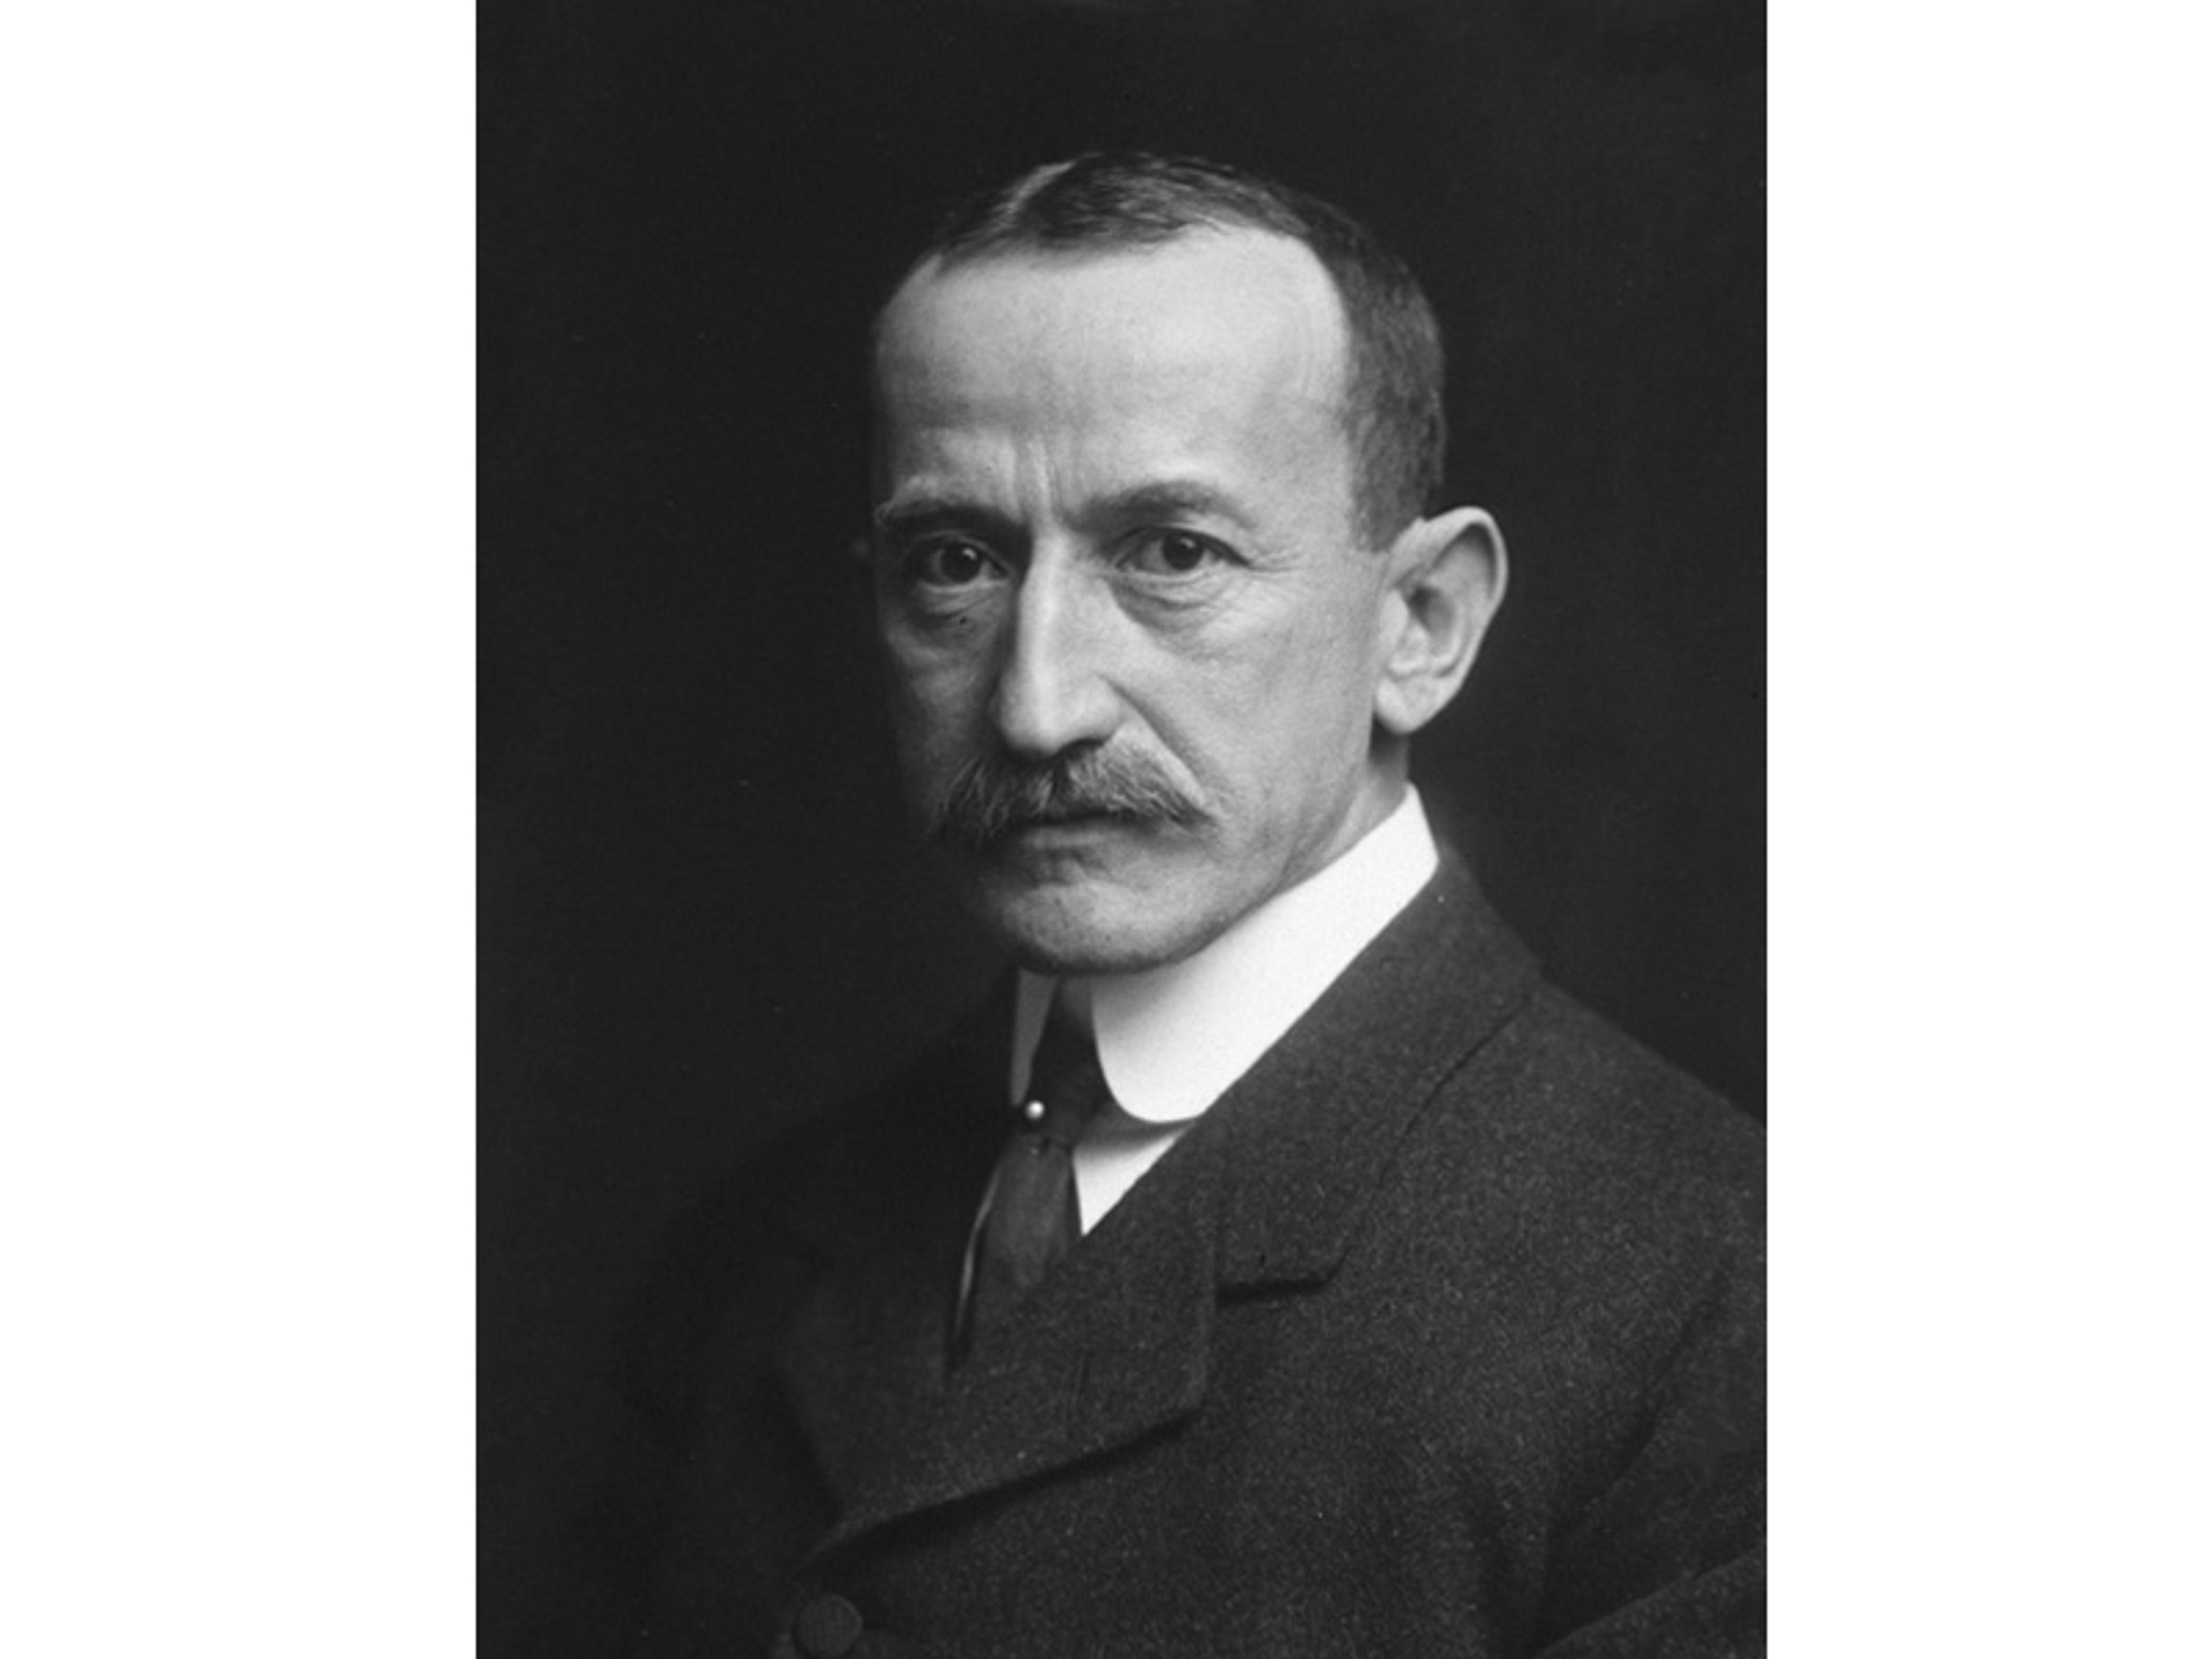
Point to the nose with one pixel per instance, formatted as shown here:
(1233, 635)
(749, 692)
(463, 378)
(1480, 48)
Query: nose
(1053, 692)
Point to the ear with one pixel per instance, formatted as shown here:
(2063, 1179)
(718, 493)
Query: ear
(1446, 580)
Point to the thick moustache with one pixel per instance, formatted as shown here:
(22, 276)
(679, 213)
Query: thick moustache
(992, 798)
(1054, 820)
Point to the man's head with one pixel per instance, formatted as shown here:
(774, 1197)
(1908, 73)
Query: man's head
(1155, 440)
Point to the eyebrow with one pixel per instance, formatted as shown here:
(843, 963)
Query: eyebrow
(912, 514)
(1173, 498)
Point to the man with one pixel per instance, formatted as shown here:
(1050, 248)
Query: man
(1280, 1266)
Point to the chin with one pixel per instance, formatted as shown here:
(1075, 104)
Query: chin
(1061, 931)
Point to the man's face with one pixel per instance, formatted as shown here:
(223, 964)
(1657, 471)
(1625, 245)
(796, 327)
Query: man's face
(1133, 638)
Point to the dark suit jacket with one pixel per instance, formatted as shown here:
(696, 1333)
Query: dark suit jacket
(1439, 1334)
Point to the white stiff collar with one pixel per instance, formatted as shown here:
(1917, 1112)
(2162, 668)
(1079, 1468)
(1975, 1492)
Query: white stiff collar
(1172, 1039)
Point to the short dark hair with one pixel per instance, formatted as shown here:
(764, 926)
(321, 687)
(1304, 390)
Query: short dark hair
(1394, 390)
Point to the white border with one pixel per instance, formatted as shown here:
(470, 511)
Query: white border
(236, 697)
(1990, 828)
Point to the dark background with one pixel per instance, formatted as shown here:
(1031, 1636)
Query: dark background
(700, 915)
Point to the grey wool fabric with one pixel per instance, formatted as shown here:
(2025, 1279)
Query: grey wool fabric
(1440, 1334)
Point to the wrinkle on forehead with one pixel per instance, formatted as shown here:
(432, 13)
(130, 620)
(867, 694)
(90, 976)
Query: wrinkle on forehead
(1176, 310)
(1244, 323)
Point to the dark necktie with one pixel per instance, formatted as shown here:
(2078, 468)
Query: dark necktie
(1033, 1221)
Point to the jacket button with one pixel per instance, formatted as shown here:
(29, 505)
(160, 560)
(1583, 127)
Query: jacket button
(827, 1628)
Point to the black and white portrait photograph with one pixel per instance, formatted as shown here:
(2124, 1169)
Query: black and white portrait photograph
(1122, 740)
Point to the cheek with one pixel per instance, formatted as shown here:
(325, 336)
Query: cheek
(1291, 688)
(1322, 665)
(932, 685)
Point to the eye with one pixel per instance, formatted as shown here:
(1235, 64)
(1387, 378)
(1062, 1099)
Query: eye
(950, 562)
(1173, 552)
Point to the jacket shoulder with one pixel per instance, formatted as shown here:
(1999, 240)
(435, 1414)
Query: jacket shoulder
(1602, 1095)
(1564, 1137)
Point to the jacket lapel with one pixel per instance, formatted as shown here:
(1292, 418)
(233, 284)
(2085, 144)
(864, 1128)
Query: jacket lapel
(1308, 1134)
(864, 1359)
(1112, 1347)
(1268, 1188)
(886, 1211)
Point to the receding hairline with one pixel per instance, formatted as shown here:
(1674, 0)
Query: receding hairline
(1315, 279)
(938, 263)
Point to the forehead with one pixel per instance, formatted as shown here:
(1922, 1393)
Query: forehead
(1027, 335)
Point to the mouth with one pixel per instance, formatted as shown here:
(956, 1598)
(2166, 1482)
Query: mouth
(1070, 823)
(1058, 830)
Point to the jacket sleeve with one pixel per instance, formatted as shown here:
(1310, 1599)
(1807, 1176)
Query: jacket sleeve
(1669, 1560)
